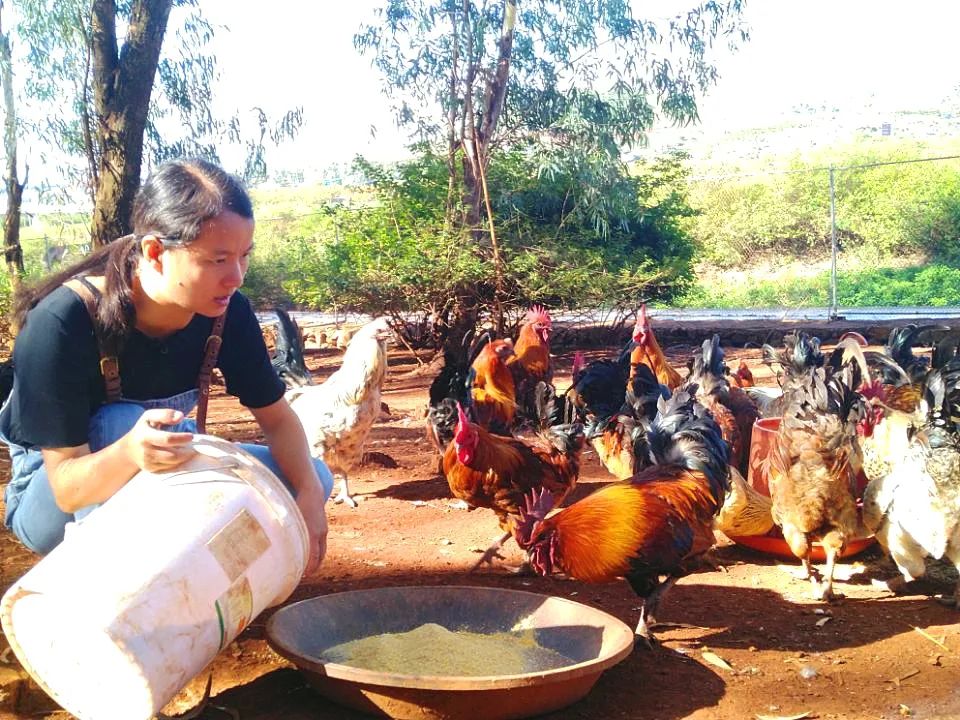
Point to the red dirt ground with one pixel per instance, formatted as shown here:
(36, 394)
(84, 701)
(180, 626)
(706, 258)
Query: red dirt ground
(876, 656)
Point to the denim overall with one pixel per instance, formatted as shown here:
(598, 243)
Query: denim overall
(32, 513)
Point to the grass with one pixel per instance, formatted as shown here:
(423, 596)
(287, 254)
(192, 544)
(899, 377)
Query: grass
(897, 282)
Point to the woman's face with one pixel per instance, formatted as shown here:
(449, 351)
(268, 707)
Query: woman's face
(201, 277)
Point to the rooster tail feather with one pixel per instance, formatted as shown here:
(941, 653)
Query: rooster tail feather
(568, 439)
(685, 434)
(288, 358)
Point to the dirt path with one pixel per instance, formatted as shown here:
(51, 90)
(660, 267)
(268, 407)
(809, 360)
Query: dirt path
(873, 656)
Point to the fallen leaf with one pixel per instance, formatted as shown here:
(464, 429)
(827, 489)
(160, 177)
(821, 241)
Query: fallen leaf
(716, 660)
(897, 680)
(801, 716)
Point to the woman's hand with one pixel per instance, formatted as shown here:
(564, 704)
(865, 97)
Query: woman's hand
(153, 449)
(310, 501)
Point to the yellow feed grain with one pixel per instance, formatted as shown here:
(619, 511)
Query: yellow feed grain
(432, 649)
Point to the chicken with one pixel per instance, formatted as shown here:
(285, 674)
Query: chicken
(485, 470)
(337, 415)
(599, 388)
(492, 388)
(734, 411)
(812, 475)
(656, 524)
(288, 358)
(647, 351)
(620, 439)
(801, 354)
(745, 512)
(532, 349)
(531, 361)
(912, 460)
(451, 386)
(742, 377)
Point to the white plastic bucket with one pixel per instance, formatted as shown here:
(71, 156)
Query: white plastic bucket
(143, 593)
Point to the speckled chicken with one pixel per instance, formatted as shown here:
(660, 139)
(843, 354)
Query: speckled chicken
(337, 415)
(812, 474)
(912, 459)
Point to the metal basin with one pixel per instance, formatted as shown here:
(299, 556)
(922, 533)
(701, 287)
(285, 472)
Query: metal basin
(593, 639)
(762, 443)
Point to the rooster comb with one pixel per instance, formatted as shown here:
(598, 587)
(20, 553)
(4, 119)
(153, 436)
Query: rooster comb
(642, 316)
(538, 313)
(873, 389)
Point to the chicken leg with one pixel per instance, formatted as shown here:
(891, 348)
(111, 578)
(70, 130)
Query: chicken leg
(833, 543)
(647, 613)
(343, 496)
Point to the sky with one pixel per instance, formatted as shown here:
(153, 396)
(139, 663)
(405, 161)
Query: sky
(284, 54)
(845, 53)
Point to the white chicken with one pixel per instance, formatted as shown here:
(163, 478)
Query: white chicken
(337, 415)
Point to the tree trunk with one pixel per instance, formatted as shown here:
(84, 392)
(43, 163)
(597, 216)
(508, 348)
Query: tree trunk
(12, 251)
(482, 128)
(123, 82)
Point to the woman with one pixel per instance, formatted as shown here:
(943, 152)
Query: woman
(72, 442)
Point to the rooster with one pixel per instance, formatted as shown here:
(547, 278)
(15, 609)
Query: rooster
(531, 363)
(733, 410)
(656, 524)
(485, 470)
(813, 464)
(742, 377)
(288, 358)
(599, 387)
(337, 415)
(451, 386)
(912, 460)
(647, 351)
(801, 353)
(492, 388)
(620, 438)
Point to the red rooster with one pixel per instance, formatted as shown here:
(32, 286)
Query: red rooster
(485, 470)
(531, 363)
(492, 388)
(742, 377)
(532, 349)
(653, 525)
(647, 351)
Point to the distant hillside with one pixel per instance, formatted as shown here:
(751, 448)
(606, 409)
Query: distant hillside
(809, 131)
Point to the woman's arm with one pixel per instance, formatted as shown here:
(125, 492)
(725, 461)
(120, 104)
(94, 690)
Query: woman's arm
(80, 478)
(288, 445)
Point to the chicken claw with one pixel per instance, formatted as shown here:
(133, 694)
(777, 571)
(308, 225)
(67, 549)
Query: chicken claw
(344, 496)
(491, 553)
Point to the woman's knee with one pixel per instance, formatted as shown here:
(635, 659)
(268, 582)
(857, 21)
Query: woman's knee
(326, 477)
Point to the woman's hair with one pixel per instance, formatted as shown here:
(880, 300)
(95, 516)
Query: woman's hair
(172, 204)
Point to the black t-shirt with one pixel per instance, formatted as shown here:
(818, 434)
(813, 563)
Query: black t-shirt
(57, 380)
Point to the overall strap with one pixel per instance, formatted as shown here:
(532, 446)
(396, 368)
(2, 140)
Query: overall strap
(109, 367)
(210, 353)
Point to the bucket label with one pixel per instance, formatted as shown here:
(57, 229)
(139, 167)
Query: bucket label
(234, 610)
(239, 543)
